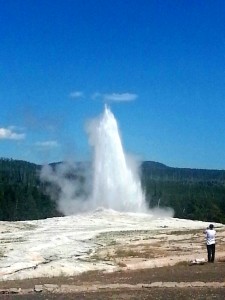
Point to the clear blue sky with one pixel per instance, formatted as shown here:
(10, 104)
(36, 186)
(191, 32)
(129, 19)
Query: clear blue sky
(160, 64)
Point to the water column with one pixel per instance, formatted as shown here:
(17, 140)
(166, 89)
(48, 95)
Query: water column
(115, 184)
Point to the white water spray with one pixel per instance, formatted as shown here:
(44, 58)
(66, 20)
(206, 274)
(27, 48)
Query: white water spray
(116, 185)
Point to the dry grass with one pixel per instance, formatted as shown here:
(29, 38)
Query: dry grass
(126, 253)
(155, 249)
(183, 232)
(182, 263)
(140, 251)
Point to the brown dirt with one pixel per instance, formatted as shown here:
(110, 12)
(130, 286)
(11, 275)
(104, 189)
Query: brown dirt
(153, 294)
(178, 273)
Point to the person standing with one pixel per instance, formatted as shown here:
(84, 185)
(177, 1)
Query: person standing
(211, 242)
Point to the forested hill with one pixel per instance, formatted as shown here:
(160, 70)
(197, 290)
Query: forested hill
(192, 193)
(159, 171)
(196, 194)
(22, 195)
(18, 171)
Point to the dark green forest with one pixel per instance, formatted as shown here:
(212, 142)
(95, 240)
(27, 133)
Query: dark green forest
(196, 194)
(22, 195)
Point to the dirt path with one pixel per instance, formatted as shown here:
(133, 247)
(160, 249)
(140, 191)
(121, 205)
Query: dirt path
(181, 281)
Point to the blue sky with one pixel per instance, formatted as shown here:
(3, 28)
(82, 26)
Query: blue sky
(160, 64)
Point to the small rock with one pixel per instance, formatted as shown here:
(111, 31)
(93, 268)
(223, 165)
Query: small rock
(198, 261)
(156, 284)
(14, 290)
(50, 287)
(169, 284)
(4, 291)
(199, 284)
(38, 288)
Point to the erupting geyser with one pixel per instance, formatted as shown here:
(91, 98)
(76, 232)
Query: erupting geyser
(116, 184)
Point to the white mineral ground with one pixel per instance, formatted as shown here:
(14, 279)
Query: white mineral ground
(102, 240)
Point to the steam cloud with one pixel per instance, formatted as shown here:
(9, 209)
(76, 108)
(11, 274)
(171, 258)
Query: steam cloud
(69, 186)
(111, 181)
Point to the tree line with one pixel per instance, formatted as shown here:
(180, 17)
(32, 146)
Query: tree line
(22, 195)
(196, 194)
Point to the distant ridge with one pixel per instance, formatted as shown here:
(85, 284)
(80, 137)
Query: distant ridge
(158, 165)
(160, 171)
(155, 170)
(197, 194)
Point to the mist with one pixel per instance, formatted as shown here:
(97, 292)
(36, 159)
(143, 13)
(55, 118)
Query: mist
(110, 181)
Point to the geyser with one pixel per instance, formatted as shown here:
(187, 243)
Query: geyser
(116, 184)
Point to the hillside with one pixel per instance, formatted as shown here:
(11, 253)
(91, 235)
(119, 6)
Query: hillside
(158, 171)
(192, 193)
(22, 195)
(197, 194)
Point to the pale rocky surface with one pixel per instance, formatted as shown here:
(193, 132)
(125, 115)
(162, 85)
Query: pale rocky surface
(103, 240)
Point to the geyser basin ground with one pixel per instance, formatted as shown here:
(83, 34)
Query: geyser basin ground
(103, 240)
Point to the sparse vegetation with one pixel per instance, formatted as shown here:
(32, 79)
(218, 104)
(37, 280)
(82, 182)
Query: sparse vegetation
(126, 253)
(182, 263)
(182, 232)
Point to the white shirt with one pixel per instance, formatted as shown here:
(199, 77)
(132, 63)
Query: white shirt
(210, 236)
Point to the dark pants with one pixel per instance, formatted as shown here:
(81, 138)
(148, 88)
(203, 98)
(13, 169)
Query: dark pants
(211, 252)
